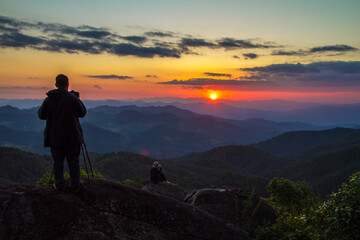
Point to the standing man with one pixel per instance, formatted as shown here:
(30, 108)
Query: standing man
(63, 134)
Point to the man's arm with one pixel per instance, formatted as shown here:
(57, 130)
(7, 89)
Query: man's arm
(81, 109)
(43, 109)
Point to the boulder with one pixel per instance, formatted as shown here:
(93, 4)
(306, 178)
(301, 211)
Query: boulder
(104, 210)
(167, 189)
(234, 205)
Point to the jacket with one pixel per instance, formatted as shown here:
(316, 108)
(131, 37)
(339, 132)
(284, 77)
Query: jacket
(62, 111)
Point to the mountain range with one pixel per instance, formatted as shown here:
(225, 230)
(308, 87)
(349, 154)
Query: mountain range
(345, 115)
(160, 132)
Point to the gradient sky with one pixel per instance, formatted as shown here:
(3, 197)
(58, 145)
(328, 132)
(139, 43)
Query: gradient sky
(242, 50)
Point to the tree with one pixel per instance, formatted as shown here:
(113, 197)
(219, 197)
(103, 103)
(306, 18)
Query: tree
(291, 200)
(339, 216)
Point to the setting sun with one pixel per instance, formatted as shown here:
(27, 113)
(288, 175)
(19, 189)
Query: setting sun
(213, 96)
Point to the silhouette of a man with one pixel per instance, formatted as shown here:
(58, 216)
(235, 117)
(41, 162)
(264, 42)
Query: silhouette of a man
(63, 134)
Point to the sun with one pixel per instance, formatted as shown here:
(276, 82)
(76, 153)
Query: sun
(213, 96)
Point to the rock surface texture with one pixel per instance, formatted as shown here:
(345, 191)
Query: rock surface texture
(234, 205)
(167, 189)
(104, 210)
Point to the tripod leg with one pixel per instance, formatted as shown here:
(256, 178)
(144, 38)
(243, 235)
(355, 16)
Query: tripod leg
(88, 158)
(82, 148)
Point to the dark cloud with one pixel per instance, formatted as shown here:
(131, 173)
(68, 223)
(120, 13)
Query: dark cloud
(2, 88)
(17, 40)
(72, 46)
(289, 53)
(231, 43)
(159, 34)
(80, 31)
(196, 42)
(110, 77)
(283, 68)
(97, 87)
(316, 67)
(124, 49)
(217, 74)
(250, 55)
(336, 73)
(335, 48)
(151, 76)
(192, 87)
(135, 39)
(86, 39)
(209, 81)
(237, 57)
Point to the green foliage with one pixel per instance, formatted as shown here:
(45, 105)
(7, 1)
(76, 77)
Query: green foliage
(339, 216)
(45, 179)
(291, 200)
(138, 182)
(289, 197)
(17, 166)
(301, 216)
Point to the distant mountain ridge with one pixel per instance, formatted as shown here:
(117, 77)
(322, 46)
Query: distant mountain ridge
(294, 144)
(161, 132)
(245, 159)
(345, 115)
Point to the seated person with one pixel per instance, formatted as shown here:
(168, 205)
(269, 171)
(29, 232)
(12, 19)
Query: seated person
(156, 175)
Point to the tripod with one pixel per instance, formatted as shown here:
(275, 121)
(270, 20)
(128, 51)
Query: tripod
(84, 150)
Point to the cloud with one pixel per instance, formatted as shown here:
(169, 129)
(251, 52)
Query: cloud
(159, 34)
(196, 42)
(61, 38)
(290, 53)
(283, 68)
(135, 39)
(110, 77)
(250, 55)
(192, 87)
(17, 40)
(231, 43)
(335, 73)
(237, 57)
(332, 48)
(97, 87)
(217, 74)
(335, 48)
(316, 67)
(209, 81)
(124, 49)
(151, 76)
(3, 88)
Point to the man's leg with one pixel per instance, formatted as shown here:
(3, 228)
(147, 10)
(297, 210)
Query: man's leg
(58, 154)
(72, 157)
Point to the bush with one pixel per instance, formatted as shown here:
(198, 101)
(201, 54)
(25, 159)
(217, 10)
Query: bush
(301, 216)
(339, 216)
(45, 179)
(138, 182)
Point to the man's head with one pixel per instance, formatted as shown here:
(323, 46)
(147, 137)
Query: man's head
(62, 81)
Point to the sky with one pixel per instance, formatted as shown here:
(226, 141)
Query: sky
(237, 49)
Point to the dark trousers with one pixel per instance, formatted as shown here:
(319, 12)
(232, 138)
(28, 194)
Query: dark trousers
(72, 157)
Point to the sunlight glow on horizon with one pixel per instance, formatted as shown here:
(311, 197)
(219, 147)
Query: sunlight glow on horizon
(185, 57)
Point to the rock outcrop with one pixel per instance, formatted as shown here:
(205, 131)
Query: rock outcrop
(234, 205)
(104, 210)
(167, 189)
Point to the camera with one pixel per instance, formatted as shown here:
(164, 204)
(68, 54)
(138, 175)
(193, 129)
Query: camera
(75, 93)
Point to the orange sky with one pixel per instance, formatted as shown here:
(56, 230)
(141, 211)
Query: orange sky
(173, 57)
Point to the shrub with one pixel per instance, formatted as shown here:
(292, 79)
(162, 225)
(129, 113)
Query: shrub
(45, 179)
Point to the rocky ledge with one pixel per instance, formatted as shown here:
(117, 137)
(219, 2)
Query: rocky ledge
(104, 210)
